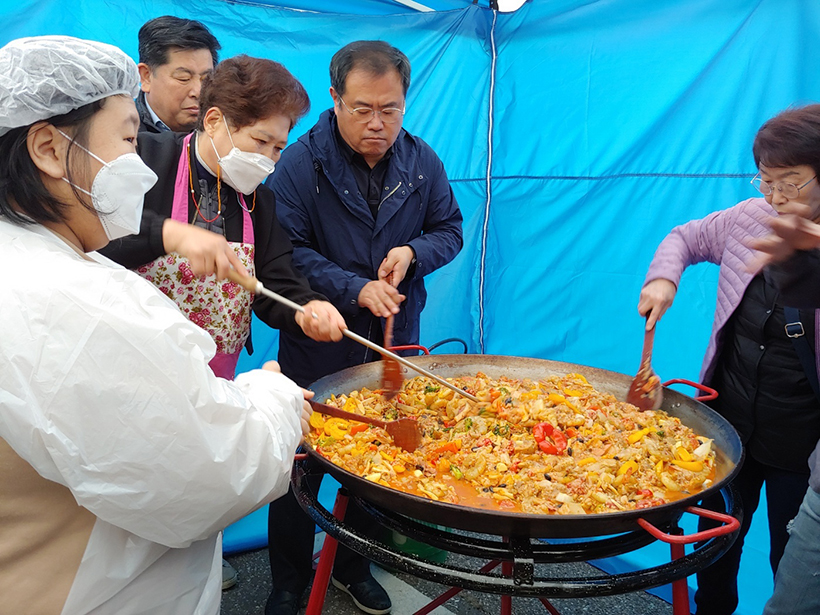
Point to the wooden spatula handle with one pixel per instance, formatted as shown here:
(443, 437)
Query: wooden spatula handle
(248, 282)
(341, 414)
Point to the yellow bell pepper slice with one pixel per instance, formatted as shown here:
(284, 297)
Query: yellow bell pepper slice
(659, 466)
(638, 435)
(692, 466)
(682, 454)
(573, 392)
(586, 461)
(317, 421)
(337, 428)
(626, 467)
(556, 398)
(350, 405)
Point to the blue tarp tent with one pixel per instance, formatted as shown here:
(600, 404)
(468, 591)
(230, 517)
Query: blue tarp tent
(576, 133)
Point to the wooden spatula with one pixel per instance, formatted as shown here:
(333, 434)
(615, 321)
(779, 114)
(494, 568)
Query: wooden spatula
(646, 392)
(255, 286)
(405, 432)
(392, 378)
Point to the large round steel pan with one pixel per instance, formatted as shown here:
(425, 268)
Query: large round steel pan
(694, 414)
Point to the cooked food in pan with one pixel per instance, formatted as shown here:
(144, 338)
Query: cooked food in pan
(555, 446)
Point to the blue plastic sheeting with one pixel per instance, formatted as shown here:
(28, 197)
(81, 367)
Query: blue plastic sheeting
(612, 122)
(365, 7)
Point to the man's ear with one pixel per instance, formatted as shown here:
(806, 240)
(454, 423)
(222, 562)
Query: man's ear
(145, 76)
(47, 148)
(212, 120)
(335, 96)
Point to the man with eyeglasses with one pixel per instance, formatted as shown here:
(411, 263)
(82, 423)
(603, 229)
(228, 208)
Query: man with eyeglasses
(370, 212)
(761, 357)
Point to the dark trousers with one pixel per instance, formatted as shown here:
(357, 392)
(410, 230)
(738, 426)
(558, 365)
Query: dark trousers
(717, 584)
(290, 543)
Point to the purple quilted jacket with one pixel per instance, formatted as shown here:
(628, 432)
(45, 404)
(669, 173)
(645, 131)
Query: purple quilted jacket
(718, 238)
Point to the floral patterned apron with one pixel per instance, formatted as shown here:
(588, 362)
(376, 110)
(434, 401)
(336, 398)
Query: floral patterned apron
(220, 307)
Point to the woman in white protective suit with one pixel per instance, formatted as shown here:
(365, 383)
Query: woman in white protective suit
(121, 454)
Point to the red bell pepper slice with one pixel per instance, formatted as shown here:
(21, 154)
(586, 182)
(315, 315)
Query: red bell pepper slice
(550, 439)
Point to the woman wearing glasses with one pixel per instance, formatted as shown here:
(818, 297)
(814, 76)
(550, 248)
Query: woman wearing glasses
(761, 355)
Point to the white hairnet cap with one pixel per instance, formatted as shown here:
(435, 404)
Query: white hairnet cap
(45, 76)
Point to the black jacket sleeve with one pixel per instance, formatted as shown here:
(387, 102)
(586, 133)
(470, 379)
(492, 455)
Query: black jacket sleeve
(274, 268)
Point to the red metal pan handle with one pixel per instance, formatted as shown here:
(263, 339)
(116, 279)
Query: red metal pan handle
(410, 347)
(732, 525)
(300, 456)
(710, 392)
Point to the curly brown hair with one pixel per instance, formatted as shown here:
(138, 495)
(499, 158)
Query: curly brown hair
(248, 89)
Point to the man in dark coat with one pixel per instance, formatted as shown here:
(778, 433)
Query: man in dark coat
(370, 212)
(174, 55)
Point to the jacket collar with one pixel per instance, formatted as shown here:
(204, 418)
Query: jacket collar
(146, 117)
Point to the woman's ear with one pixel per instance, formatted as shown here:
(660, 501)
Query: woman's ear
(47, 148)
(212, 120)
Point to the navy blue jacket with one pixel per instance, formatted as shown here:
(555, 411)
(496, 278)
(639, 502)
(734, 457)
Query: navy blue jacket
(338, 245)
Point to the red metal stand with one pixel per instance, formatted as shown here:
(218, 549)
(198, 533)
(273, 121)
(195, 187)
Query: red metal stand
(453, 591)
(506, 601)
(676, 542)
(675, 539)
(325, 567)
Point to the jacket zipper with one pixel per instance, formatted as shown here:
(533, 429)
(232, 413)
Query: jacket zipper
(392, 192)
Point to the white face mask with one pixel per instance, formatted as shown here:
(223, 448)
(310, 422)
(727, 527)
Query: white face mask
(118, 191)
(244, 171)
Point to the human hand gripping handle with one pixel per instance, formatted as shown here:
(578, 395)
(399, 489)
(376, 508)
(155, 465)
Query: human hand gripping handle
(395, 265)
(318, 319)
(207, 252)
(304, 417)
(380, 296)
(656, 297)
(255, 286)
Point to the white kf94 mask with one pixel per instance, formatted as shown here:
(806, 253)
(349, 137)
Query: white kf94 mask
(118, 191)
(243, 171)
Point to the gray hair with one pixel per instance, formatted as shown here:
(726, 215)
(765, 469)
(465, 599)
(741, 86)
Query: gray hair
(375, 57)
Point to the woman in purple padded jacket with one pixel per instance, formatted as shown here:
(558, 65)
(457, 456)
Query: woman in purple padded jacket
(754, 354)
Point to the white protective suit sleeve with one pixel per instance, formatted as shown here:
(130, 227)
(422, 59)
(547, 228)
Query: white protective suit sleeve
(105, 388)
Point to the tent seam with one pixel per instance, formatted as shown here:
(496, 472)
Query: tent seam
(484, 231)
(612, 176)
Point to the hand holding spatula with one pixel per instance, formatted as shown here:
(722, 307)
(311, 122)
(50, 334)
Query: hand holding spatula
(253, 285)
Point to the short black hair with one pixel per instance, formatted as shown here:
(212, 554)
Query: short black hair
(375, 57)
(20, 181)
(159, 35)
(790, 139)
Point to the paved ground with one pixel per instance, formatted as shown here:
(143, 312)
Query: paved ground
(410, 594)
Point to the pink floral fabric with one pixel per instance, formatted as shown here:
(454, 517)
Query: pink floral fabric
(222, 308)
